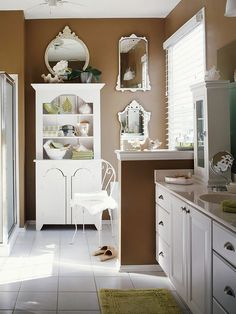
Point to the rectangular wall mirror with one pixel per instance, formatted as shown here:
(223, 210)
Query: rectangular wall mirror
(133, 64)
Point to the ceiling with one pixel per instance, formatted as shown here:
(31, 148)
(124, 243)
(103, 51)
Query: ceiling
(36, 9)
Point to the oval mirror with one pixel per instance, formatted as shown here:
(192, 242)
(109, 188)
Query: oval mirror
(133, 64)
(134, 122)
(67, 46)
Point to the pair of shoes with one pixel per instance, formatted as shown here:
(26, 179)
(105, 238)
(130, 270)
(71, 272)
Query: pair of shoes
(101, 250)
(106, 252)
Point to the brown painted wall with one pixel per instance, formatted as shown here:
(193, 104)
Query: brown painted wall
(137, 208)
(220, 30)
(101, 37)
(12, 61)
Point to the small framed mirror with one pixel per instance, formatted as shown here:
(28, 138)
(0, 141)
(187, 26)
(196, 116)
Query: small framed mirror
(68, 47)
(133, 64)
(134, 122)
(221, 162)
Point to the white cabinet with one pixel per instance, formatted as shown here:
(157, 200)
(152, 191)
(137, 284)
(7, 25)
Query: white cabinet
(58, 105)
(178, 273)
(163, 232)
(187, 256)
(199, 267)
(211, 126)
(56, 182)
(224, 268)
(191, 256)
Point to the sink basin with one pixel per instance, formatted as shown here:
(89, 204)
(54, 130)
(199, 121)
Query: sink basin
(217, 198)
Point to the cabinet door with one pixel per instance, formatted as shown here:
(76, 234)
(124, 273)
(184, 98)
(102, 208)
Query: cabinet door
(199, 261)
(200, 140)
(50, 197)
(86, 178)
(178, 248)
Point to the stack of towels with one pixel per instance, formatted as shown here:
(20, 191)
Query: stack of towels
(229, 206)
(88, 154)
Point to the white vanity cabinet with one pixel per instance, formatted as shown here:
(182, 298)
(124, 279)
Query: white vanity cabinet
(211, 126)
(199, 266)
(58, 180)
(224, 269)
(191, 256)
(163, 232)
(189, 252)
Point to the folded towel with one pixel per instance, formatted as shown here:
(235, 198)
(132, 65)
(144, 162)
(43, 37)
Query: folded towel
(229, 206)
(229, 209)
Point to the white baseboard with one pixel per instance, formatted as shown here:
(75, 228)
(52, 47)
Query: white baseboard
(140, 268)
(30, 222)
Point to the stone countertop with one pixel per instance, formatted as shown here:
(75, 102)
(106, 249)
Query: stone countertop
(191, 193)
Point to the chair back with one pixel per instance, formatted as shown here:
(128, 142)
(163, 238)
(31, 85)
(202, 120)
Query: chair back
(108, 176)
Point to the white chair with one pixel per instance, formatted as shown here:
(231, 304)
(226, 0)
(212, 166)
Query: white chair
(95, 202)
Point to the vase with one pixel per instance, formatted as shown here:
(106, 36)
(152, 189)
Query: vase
(83, 128)
(86, 77)
(85, 109)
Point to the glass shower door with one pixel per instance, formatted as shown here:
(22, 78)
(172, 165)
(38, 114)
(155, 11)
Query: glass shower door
(7, 160)
(10, 158)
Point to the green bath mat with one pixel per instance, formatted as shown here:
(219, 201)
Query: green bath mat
(138, 301)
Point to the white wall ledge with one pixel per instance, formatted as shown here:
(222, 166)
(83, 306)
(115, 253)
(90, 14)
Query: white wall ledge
(159, 154)
(66, 87)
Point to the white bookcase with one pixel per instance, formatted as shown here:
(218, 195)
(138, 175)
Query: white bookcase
(57, 180)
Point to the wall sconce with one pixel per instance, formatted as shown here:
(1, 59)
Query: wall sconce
(230, 9)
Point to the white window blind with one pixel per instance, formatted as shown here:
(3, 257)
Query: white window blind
(185, 65)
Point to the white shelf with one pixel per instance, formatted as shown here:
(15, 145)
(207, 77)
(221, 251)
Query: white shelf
(67, 114)
(66, 137)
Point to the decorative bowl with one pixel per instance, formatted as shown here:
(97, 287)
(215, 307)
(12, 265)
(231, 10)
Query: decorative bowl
(55, 153)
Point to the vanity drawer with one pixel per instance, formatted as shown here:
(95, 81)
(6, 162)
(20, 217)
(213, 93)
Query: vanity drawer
(224, 243)
(163, 255)
(224, 284)
(217, 308)
(163, 198)
(163, 223)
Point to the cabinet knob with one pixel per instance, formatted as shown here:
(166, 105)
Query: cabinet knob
(161, 254)
(188, 211)
(161, 197)
(229, 246)
(229, 291)
(183, 208)
(161, 223)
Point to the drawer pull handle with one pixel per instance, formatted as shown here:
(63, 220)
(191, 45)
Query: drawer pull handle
(229, 246)
(183, 208)
(161, 223)
(161, 254)
(161, 197)
(229, 291)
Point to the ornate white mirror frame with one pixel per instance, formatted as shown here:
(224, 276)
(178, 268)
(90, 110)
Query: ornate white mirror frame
(133, 75)
(57, 43)
(134, 122)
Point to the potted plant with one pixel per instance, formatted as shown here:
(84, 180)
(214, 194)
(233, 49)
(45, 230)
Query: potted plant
(86, 75)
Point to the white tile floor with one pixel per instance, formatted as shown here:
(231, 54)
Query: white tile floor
(45, 274)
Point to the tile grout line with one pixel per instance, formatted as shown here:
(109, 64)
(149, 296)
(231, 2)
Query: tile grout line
(14, 309)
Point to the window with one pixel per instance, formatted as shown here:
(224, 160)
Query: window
(185, 65)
